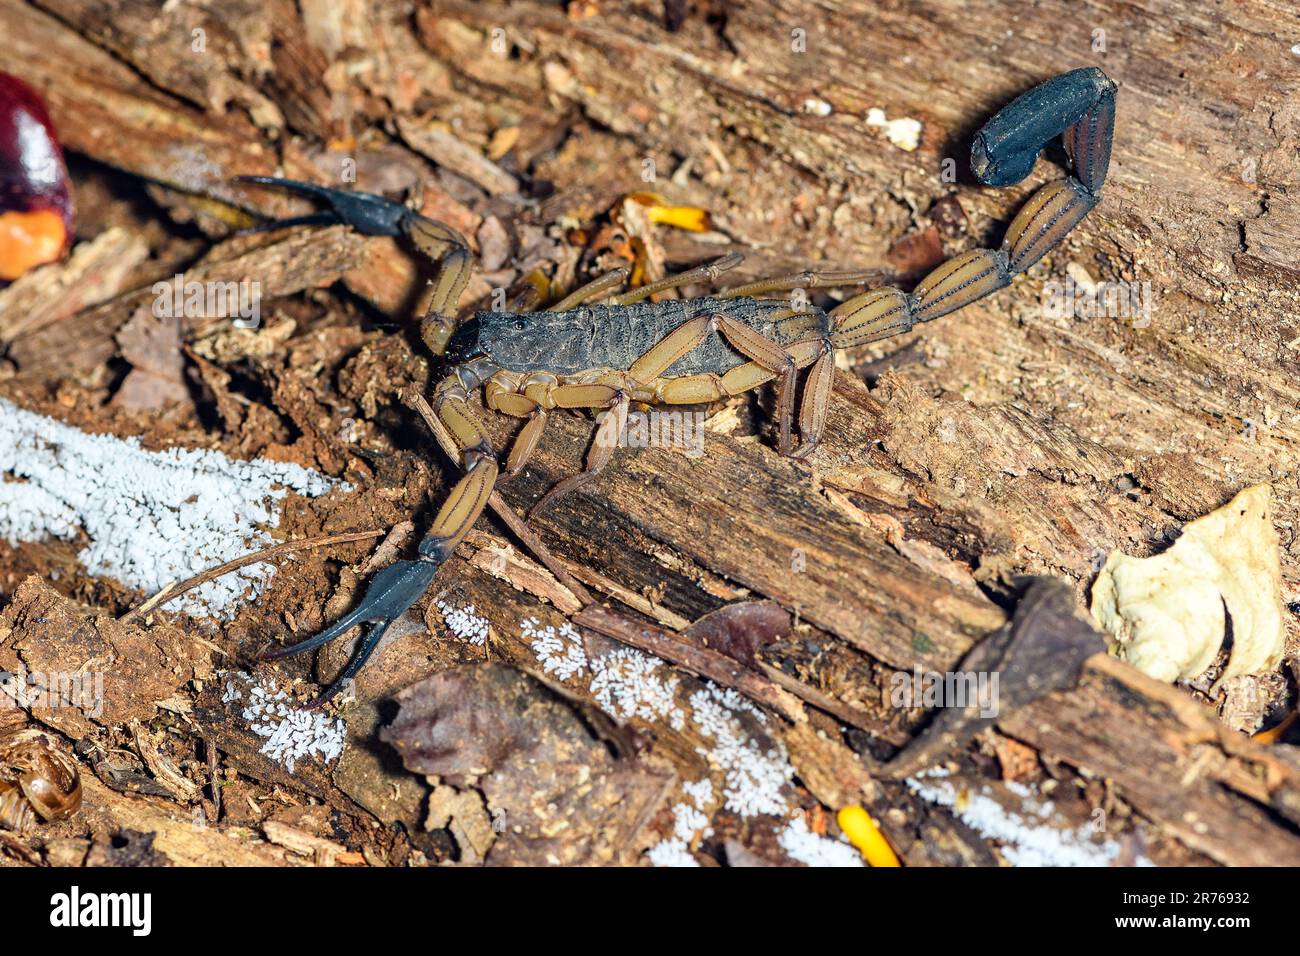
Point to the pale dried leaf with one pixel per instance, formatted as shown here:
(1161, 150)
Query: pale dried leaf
(1166, 614)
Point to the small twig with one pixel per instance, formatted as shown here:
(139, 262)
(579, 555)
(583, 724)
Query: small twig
(213, 783)
(503, 510)
(174, 590)
(699, 660)
(637, 602)
(853, 716)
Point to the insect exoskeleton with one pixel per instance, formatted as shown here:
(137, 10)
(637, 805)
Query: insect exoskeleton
(39, 779)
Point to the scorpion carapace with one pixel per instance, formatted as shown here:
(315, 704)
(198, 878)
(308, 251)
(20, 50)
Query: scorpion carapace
(602, 349)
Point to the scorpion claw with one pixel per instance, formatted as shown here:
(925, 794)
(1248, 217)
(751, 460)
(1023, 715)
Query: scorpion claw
(390, 595)
(368, 214)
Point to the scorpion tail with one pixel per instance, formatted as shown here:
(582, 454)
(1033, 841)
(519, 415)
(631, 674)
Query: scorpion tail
(1079, 106)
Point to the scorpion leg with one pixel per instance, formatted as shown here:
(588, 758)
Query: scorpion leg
(526, 442)
(772, 357)
(1079, 106)
(595, 289)
(509, 401)
(785, 361)
(661, 357)
(664, 354)
(527, 301)
(816, 398)
(608, 436)
(376, 216)
(801, 280)
(708, 272)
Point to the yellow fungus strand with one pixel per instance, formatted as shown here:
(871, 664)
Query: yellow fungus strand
(690, 218)
(1274, 734)
(866, 836)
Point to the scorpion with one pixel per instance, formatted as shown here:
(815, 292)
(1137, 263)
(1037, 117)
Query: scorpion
(585, 353)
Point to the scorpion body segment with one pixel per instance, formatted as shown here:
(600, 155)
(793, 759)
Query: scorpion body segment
(589, 353)
(614, 337)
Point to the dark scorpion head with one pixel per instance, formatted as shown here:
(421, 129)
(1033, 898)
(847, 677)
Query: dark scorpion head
(497, 333)
(464, 344)
(525, 342)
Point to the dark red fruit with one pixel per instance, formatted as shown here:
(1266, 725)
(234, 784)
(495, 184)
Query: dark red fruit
(35, 199)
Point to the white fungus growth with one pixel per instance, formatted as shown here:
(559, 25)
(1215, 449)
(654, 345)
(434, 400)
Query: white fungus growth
(689, 819)
(701, 791)
(1025, 843)
(464, 622)
(292, 732)
(904, 133)
(671, 852)
(560, 652)
(754, 777)
(627, 683)
(810, 849)
(150, 517)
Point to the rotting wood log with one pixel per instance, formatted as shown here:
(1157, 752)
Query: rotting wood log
(1003, 440)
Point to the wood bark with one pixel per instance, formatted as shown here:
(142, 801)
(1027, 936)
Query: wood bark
(997, 441)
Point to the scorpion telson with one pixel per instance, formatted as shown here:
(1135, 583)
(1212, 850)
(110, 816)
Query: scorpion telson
(601, 350)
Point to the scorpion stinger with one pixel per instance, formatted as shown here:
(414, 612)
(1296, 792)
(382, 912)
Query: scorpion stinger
(601, 350)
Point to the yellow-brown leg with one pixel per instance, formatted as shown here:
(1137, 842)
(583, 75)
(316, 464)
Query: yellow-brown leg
(526, 442)
(816, 400)
(664, 354)
(595, 289)
(708, 272)
(608, 437)
(505, 397)
(707, 387)
(801, 280)
(777, 359)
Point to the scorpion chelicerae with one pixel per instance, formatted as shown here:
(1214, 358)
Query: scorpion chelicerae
(585, 353)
